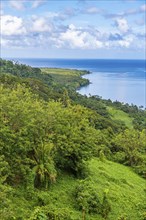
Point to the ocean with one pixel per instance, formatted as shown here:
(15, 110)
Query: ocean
(121, 80)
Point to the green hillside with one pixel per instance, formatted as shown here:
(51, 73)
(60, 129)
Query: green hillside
(126, 189)
(64, 156)
(125, 193)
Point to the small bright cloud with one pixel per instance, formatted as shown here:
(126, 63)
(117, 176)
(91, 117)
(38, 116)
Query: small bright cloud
(19, 5)
(41, 25)
(122, 25)
(78, 38)
(73, 38)
(12, 25)
(92, 10)
(124, 43)
(37, 3)
(143, 8)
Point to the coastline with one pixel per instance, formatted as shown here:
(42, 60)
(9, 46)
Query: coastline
(73, 79)
(117, 89)
(131, 94)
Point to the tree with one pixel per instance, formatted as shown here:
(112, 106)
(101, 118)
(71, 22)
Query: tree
(132, 144)
(24, 131)
(73, 137)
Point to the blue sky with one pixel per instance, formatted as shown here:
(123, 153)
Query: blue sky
(73, 28)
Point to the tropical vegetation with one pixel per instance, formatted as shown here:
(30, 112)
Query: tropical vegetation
(64, 155)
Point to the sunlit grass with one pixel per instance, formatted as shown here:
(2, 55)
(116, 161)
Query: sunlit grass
(126, 190)
(64, 72)
(120, 115)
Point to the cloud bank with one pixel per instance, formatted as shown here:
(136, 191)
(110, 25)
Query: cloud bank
(55, 30)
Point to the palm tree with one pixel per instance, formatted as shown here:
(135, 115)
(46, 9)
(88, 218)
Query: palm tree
(44, 168)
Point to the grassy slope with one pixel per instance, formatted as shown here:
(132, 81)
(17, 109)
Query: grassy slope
(126, 193)
(120, 115)
(126, 190)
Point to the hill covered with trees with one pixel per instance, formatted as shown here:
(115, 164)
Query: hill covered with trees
(64, 155)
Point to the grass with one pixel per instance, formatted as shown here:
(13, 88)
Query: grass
(64, 72)
(120, 115)
(126, 194)
(126, 191)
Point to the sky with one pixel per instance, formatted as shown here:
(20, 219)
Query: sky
(102, 29)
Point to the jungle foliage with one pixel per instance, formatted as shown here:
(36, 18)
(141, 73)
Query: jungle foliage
(49, 137)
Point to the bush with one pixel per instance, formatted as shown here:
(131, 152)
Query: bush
(87, 197)
(105, 208)
(88, 201)
(50, 213)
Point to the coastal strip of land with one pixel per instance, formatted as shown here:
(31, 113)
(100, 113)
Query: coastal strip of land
(69, 78)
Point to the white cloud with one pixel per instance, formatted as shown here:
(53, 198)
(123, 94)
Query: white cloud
(122, 25)
(37, 3)
(124, 43)
(92, 10)
(45, 32)
(73, 38)
(12, 25)
(143, 8)
(78, 38)
(19, 5)
(129, 12)
(52, 15)
(41, 25)
(4, 42)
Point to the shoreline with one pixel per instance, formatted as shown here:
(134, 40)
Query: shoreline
(76, 81)
(86, 81)
(80, 83)
(140, 106)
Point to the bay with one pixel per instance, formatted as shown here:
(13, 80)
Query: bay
(122, 80)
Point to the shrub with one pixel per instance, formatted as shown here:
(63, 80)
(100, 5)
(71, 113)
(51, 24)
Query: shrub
(50, 213)
(87, 197)
(88, 201)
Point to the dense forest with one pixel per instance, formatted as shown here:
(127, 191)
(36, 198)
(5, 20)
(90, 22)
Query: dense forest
(64, 156)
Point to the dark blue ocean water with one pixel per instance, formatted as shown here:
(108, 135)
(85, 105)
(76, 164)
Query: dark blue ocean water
(122, 80)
